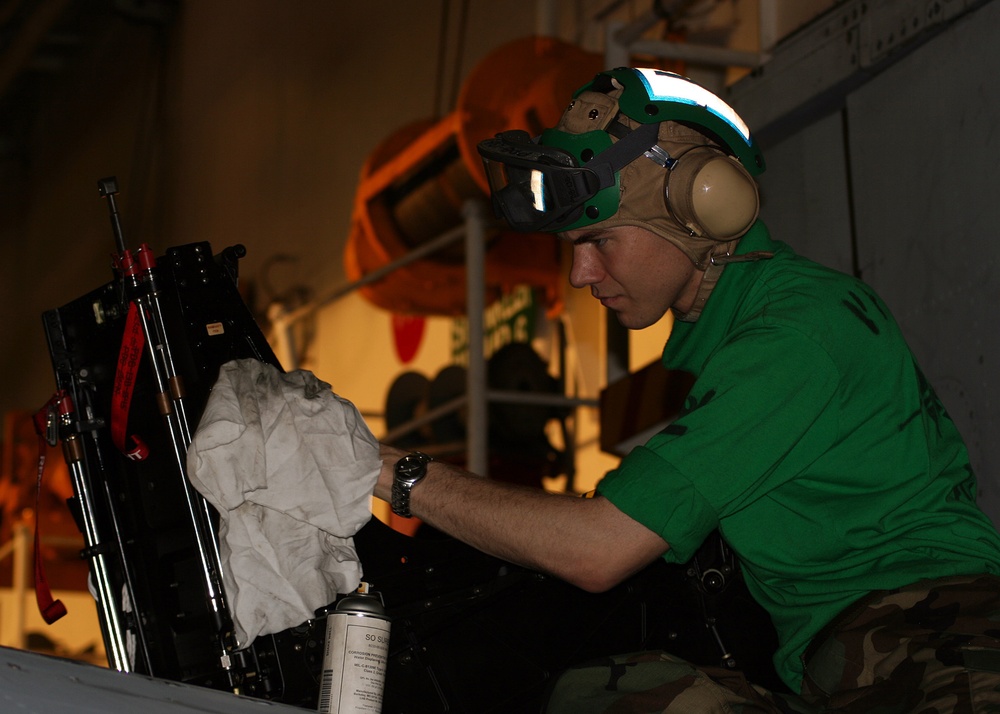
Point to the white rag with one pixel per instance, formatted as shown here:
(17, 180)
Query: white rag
(290, 467)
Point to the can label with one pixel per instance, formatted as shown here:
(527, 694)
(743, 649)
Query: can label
(354, 663)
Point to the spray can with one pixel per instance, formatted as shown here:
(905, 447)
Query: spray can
(355, 655)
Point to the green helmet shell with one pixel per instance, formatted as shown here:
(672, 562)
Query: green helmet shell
(651, 96)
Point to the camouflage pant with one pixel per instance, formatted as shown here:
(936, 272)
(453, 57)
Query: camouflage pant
(932, 647)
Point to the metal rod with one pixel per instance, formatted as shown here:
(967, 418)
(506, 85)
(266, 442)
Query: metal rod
(108, 187)
(492, 395)
(95, 550)
(475, 268)
(622, 41)
(20, 581)
(627, 34)
(700, 54)
(429, 416)
(546, 19)
(111, 624)
(174, 383)
(547, 400)
(615, 53)
(424, 249)
(767, 25)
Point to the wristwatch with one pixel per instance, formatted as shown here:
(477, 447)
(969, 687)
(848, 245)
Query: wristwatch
(409, 470)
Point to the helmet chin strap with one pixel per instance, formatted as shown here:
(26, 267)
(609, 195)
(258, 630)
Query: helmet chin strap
(713, 271)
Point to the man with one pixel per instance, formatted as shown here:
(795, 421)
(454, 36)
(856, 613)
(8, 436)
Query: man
(810, 438)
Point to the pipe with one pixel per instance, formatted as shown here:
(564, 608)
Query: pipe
(698, 54)
(767, 28)
(546, 18)
(623, 40)
(22, 546)
(421, 251)
(475, 266)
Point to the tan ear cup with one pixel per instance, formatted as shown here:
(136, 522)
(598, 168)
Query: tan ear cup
(712, 195)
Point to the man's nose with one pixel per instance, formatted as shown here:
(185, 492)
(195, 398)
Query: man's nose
(586, 269)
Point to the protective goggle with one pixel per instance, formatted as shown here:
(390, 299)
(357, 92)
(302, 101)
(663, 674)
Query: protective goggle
(535, 187)
(544, 188)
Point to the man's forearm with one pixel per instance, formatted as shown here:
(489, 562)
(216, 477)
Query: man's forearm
(587, 542)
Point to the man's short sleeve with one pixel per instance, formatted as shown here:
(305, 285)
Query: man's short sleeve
(756, 416)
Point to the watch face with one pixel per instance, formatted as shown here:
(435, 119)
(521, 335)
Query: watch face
(411, 466)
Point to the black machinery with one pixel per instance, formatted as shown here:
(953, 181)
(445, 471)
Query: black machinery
(134, 362)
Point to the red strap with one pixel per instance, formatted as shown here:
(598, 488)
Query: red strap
(51, 609)
(129, 358)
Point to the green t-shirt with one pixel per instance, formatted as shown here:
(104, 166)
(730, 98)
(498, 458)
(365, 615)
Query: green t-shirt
(812, 441)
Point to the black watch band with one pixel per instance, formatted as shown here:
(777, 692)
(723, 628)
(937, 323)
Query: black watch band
(407, 472)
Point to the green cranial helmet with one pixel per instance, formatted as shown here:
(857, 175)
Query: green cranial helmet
(643, 120)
